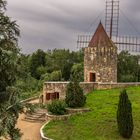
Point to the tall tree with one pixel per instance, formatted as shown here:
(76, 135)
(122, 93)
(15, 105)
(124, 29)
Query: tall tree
(9, 97)
(37, 60)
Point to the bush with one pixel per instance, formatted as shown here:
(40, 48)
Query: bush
(57, 107)
(74, 95)
(124, 116)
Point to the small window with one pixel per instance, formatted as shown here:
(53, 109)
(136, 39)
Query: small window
(47, 96)
(54, 95)
(92, 77)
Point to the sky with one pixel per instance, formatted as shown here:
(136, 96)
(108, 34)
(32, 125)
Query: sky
(50, 24)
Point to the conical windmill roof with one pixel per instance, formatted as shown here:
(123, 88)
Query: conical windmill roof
(100, 38)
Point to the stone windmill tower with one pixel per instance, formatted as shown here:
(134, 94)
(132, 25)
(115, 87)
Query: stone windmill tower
(100, 58)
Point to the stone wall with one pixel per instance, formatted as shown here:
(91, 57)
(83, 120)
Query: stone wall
(60, 87)
(102, 61)
(53, 87)
(116, 85)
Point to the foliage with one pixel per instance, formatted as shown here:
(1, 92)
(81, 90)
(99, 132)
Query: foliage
(37, 60)
(10, 105)
(78, 69)
(57, 107)
(128, 67)
(100, 122)
(23, 66)
(41, 70)
(124, 116)
(74, 94)
(127, 78)
(62, 60)
(46, 77)
(27, 85)
(55, 76)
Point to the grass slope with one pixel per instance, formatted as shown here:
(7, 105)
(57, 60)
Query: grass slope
(100, 123)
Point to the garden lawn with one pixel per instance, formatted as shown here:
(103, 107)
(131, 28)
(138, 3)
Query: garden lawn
(100, 123)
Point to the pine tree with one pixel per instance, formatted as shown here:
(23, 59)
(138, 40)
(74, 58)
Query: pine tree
(124, 115)
(74, 94)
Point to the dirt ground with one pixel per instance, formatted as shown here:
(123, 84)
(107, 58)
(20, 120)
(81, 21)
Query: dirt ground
(30, 130)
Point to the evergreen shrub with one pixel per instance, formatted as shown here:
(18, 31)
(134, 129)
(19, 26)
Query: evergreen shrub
(124, 115)
(74, 95)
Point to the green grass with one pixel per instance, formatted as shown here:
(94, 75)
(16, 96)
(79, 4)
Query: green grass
(100, 123)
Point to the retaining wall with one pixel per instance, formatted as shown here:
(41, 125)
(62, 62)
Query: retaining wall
(60, 87)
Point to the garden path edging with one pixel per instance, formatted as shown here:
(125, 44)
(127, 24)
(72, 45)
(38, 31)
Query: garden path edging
(57, 117)
(42, 134)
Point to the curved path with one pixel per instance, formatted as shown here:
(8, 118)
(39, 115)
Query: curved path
(30, 130)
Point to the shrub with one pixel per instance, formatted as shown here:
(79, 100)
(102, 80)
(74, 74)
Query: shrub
(57, 107)
(124, 115)
(74, 95)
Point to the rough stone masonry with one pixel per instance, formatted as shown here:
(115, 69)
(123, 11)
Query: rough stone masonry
(100, 58)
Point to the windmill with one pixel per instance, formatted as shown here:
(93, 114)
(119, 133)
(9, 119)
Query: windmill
(128, 43)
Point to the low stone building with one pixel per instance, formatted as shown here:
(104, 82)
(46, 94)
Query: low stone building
(100, 58)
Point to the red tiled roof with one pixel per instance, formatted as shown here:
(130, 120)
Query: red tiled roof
(100, 37)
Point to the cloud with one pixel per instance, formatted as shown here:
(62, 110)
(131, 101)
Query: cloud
(48, 24)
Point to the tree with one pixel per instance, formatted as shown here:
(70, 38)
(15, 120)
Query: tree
(23, 66)
(10, 105)
(128, 67)
(74, 94)
(63, 60)
(66, 71)
(37, 60)
(55, 76)
(124, 116)
(78, 69)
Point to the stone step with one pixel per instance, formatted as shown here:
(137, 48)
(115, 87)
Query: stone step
(38, 116)
(34, 120)
(34, 117)
(35, 114)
